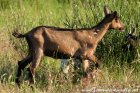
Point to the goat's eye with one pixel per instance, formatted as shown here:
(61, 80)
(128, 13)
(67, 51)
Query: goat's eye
(116, 19)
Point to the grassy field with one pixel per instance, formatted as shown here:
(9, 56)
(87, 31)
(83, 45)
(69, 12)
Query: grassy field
(23, 15)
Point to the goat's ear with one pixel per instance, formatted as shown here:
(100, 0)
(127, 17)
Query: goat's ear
(106, 10)
(115, 14)
(133, 32)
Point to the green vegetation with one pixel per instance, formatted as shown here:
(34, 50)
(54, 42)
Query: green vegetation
(23, 15)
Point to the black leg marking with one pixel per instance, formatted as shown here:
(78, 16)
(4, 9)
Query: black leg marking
(21, 65)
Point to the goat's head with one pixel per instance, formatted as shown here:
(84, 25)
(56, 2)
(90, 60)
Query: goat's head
(131, 35)
(114, 18)
(132, 41)
(131, 46)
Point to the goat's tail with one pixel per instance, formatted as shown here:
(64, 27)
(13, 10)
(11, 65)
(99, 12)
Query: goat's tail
(18, 35)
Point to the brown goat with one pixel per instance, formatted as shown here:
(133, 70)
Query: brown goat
(62, 43)
(132, 41)
(130, 48)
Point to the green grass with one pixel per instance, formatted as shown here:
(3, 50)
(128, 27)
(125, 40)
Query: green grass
(23, 15)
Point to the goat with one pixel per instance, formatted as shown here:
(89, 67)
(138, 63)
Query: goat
(62, 43)
(131, 45)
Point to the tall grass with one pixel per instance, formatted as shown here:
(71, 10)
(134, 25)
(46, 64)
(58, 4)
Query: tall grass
(23, 15)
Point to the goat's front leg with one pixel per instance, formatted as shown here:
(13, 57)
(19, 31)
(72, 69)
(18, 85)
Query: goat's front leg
(36, 60)
(21, 65)
(88, 59)
(93, 60)
(89, 65)
(85, 66)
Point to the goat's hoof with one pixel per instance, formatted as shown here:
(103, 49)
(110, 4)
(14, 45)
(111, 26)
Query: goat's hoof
(97, 65)
(17, 81)
(19, 63)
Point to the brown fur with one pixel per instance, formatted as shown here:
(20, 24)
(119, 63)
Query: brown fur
(131, 46)
(65, 43)
(132, 41)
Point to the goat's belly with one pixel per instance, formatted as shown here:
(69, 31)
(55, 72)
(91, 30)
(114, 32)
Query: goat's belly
(56, 54)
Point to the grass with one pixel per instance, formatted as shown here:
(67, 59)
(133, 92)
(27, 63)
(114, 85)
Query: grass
(23, 15)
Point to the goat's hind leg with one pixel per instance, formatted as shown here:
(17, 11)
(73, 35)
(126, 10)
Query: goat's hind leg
(36, 60)
(21, 65)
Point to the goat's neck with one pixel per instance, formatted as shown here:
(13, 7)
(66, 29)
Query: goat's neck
(101, 29)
